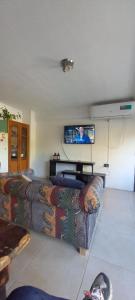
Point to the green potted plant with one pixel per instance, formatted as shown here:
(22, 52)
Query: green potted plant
(6, 115)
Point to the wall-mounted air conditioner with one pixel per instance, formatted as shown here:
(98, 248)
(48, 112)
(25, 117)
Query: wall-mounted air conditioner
(112, 110)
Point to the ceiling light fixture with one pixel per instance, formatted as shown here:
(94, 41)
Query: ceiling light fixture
(67, 64)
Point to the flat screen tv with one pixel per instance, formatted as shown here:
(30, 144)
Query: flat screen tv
(79, 134)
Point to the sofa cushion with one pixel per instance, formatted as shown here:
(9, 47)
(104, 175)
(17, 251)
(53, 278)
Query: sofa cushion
(67, 182)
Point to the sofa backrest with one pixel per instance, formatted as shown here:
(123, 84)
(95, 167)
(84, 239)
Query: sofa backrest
(63, 197)
(87, 199)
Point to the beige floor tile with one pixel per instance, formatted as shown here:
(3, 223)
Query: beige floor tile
(114, 240)
(123, 281)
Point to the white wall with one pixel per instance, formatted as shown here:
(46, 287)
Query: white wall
(3, 152)
(49, 139)
(33, 135)
(46, 137)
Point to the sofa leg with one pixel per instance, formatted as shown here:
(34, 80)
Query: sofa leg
(83, 251)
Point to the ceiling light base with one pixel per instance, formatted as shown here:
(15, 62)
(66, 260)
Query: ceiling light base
(67, 64)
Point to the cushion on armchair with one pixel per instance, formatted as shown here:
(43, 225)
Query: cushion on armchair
(67, 182)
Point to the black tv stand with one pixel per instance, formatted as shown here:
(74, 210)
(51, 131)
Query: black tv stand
(79, 165)
(84, 176)
(79, 173)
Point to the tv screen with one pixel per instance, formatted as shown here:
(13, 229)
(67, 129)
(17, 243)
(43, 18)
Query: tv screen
(79, 134)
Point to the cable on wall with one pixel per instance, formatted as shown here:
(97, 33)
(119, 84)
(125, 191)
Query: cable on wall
(108, 140)
(91, 152)
(64, 151)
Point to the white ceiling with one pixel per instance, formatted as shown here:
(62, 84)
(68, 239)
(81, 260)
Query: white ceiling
(99, 35)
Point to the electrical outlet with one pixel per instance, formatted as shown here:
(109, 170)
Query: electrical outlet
(106, 165)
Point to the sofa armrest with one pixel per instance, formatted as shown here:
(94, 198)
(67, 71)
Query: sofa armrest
(15, 185)
(90, 195)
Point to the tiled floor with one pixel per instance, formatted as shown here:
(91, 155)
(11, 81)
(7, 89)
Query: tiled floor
(57, 268)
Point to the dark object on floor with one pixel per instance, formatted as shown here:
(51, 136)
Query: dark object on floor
(31, 293)
(101, 288)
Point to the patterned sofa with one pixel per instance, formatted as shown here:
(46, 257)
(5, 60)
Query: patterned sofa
(61, 212)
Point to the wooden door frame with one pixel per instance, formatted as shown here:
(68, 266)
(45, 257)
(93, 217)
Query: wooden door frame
(19, 126)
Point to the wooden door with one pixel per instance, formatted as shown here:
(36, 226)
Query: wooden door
(23, 162)
(18, 155)
(13, 146)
